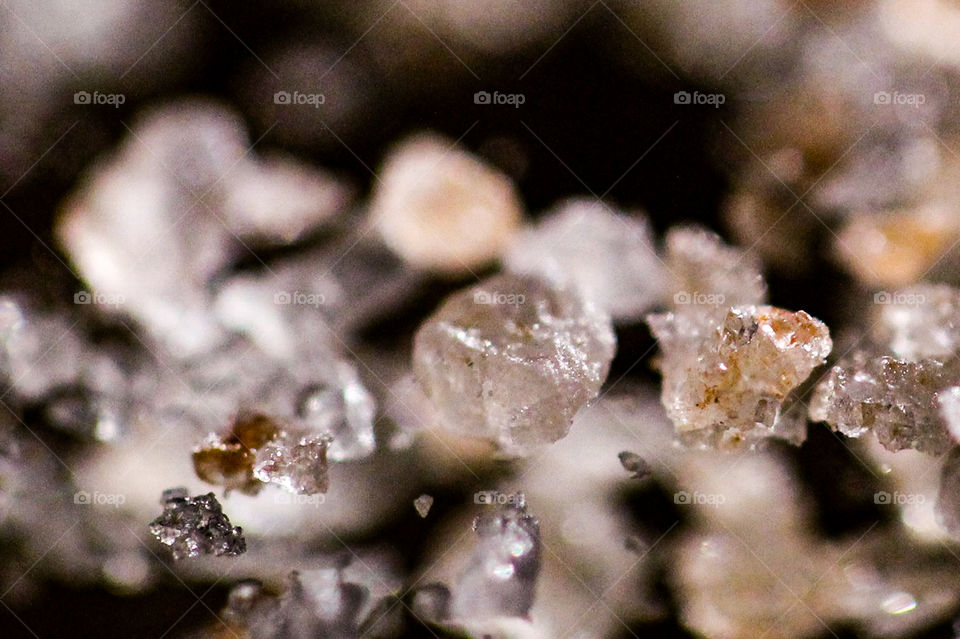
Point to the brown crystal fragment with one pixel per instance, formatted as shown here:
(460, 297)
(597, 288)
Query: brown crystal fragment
(227, 460)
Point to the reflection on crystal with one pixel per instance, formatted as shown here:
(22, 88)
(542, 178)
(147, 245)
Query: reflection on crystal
(501, 577)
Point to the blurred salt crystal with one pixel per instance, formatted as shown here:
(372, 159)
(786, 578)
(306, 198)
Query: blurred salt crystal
(501, 577)
(609, 257)
(154, 224)
(441, 208)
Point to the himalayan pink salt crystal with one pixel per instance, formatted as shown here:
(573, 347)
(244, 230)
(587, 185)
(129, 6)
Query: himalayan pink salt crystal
(512, 360)
(441, 208)
(725, 381)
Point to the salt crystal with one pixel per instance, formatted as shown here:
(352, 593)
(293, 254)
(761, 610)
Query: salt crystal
(194, 526)
(441, 208)
(512, 360)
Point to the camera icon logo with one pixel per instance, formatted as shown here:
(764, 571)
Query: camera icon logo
(681, 298)
(81, 97)
(881, 97)
(281, 97)
(82, 297)
(81, 497)
(484, 497)
(282, 297)
(682, 497)
(682, 97)
(883, 297)
(882, 497)
(482, 97)
(482, 297)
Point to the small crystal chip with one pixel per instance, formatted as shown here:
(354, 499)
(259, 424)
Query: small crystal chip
(725, 377)
(294, 461)
(635, 464)
(423, 504)
(501, 577)
(194, 526)
(228, 460)
(512, 360)
(345, 409)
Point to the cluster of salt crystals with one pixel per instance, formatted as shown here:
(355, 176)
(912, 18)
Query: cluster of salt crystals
(199, 197)
(323, 602)
(440, 208)
(900, 386)
(46, 360)
(729, 365)
(512, 360)
(608, 256)
(194, 526)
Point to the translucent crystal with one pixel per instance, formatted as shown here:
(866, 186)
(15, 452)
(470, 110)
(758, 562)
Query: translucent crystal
(635, 464)
(345, 410)
(439, 207)
(900, 384)
(726, 377)
(323, 602)
(512, 360)
(184, 170)
(295, 462)
(919, 322)
(893, 398)
(501, 577)
(422, 504)
(194, 526)
(949, 401)
(948, 498)
(609, 257)
(709, 275)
